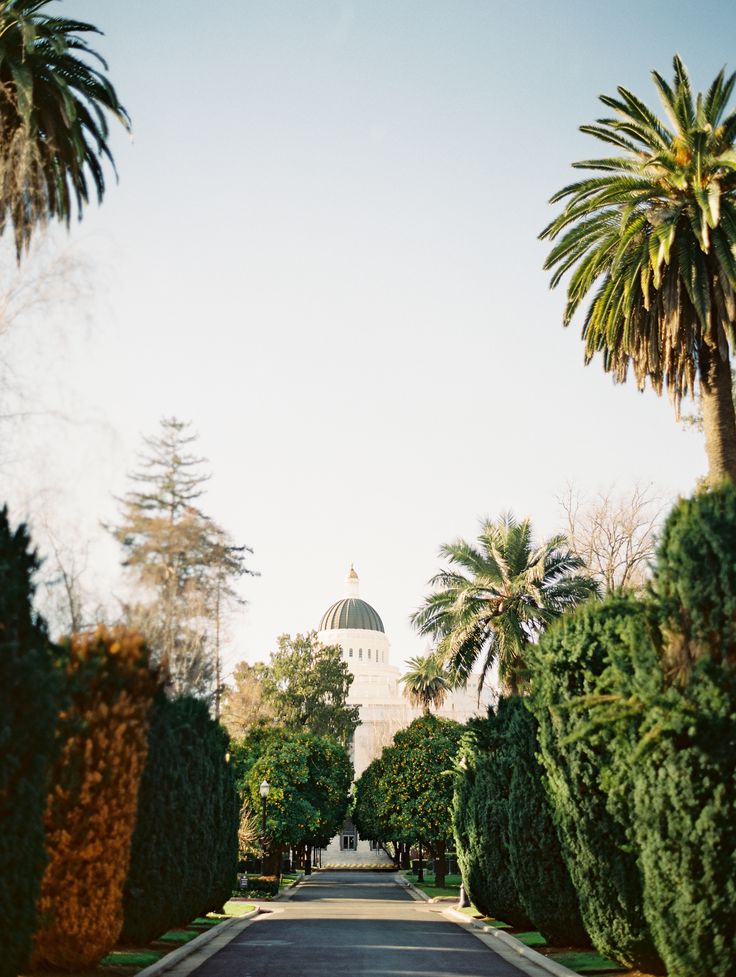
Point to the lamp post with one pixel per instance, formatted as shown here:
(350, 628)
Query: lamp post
(263, 791)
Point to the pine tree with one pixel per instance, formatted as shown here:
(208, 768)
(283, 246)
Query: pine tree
(184, 564)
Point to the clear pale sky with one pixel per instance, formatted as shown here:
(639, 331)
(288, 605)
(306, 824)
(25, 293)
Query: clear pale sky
(323, 252)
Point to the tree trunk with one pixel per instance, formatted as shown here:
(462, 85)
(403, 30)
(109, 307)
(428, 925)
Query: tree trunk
(719, 418)
(272, 862)
(440, 867)
(420, 867)
(308, 860)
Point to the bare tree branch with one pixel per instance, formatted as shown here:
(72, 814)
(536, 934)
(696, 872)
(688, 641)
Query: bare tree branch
(615, 535)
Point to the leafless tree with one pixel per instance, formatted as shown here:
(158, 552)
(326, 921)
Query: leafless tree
(614, 534)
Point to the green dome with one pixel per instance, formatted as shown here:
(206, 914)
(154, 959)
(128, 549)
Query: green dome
(351, 613)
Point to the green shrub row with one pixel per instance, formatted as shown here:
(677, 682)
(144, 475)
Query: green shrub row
(603, 801)
(184, 849)
(184, 852)
(507, 845)
(30, 690)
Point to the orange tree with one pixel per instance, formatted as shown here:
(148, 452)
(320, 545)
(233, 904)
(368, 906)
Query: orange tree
(409, 801)
(309, 778)
(91, 808)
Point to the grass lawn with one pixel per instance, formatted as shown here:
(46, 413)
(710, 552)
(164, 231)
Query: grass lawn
(287, 878)
(586, 962)
(450, 888)
(234, 908)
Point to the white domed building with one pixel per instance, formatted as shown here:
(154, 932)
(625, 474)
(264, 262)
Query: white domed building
(357, 628)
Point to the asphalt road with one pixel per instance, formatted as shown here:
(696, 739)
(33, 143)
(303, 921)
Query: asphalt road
(354, 924)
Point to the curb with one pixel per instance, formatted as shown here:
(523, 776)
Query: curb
(176, 956)
(417, 893)
(286, 892)
(551, 966)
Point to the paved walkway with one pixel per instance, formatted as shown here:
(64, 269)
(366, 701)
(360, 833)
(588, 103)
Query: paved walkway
(354, 924)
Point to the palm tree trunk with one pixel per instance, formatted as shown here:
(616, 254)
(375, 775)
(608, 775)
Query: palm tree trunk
(719, 417)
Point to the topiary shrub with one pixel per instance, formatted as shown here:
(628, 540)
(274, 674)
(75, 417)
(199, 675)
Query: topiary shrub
(683, 747)
(184, 852)
(583, 761)
(684, 777)
(695, 579)
(91, 809)
(538, 869)
(481, 817)
(29, 700)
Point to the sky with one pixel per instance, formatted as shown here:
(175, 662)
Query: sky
(322, 251)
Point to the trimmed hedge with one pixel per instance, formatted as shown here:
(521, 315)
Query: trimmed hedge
(582, 764)
(29, 698)
(537, 866)
(184, 852)
(684, 790)
(91, 809)
(482, 835)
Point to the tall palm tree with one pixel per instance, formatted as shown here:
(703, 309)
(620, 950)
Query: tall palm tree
(53, 125)
(496, 597)
(655, 232)
(426, 684)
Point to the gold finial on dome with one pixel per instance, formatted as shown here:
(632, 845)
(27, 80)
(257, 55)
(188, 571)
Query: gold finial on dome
(353, 583)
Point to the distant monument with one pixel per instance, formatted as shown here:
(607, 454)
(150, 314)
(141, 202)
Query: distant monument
(357, 628)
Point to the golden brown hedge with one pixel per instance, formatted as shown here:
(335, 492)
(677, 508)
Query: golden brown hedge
(92, 805)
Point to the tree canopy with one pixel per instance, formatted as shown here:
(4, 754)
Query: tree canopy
(309, 778)
(306, 686)
(405, 794)
(496, 597)
(185, 565)
(53, 117)
(653, 231)
(426, 684)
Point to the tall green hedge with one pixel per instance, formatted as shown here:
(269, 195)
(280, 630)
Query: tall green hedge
(29, 701)
(684, 792)
(184, 854)
(582, 763)
(481, 817)
(695, 577)
(537, 866)
(682, 768)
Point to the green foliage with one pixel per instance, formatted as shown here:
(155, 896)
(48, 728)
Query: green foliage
(594, 823)
(306, 685)
(309, 778)
(416, 791)
(186, 565)
(695, 579)
(367, 807)
(652, 234)
(483, 781)
(495, 598)
(29, 699)
(184, 853)
(53, 126)
(470, 820)
(427, 683)
(537, 867)
(405, 795)
(263, 885)
(685, 819)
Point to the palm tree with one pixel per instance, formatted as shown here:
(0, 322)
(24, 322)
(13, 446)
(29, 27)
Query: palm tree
(53, 126)
(495, 598)
(427, 683)
(655, 232)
